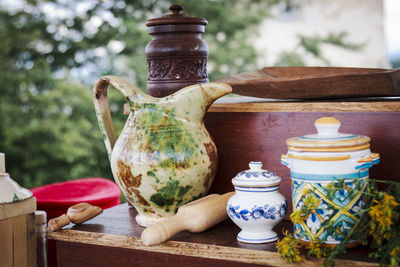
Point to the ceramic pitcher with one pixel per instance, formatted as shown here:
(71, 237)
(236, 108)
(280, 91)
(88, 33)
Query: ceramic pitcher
(164, 156)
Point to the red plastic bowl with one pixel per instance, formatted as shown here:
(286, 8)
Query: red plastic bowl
(56, 198)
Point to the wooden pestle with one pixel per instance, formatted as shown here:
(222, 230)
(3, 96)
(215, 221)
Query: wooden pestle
(77, 214)
(196, 216)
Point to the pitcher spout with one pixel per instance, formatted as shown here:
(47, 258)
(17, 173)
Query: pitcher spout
(193, 101)
(213, 91)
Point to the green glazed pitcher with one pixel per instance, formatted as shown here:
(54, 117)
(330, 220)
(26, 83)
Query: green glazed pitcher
(164, 156)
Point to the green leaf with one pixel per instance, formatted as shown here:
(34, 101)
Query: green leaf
(15, 198)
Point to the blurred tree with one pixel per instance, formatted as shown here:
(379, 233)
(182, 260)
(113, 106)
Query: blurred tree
(311, 46)
(48, 128)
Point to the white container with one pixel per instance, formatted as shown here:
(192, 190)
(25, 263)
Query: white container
(10, 191)
(317, 160)
(257, 206)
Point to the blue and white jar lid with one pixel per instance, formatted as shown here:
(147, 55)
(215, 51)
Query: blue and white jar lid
(256, 176)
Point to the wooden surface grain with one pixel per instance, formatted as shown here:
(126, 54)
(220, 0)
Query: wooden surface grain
(112, 239)
(18, 241)
(10, 210)
(316, 82)
(374, 106)
(82, 255)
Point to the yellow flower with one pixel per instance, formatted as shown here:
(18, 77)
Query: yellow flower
(395, 256)
(395, 252)
(382, 215)
(315, 249)
(311, 201)
(330, 186)
(288, 248)
(296, 217)
(389, 200)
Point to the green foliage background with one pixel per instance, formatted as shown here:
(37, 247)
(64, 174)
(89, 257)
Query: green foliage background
(51, 53)
(48, 128)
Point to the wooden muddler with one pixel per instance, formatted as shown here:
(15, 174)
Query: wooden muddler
(77, 214)
(196, 216)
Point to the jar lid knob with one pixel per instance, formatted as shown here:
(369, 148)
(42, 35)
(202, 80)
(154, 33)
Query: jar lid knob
(327, 126)
(176, 9)
(255, 165)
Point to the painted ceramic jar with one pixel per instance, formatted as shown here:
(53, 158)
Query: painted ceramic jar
(320, 163)
(257, 206)
(164, 156)
(10, 191)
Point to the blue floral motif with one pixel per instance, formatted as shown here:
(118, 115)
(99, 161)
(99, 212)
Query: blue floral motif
(266, 212)
(269, 212)
(283, 209)
(249, 174)
(257, 212)
(243, 214)
(232, 211)
(341, 195)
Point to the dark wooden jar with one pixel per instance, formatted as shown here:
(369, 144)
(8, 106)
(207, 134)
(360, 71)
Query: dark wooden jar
(176, 56)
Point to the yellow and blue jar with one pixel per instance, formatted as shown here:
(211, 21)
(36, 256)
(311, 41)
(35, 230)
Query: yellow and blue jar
(331, 168)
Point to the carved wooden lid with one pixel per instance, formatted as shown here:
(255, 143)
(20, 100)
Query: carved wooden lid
(176, 18)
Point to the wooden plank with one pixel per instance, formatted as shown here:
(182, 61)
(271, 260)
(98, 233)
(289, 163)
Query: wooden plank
(17, 208)
(19, 241)
(6, 243)
(373, 106)
(377, 106)
(316, 82)
(31, 240)
(80, 255)
(188, 249)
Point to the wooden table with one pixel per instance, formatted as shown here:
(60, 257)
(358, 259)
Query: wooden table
(242, 132)
(113, 239)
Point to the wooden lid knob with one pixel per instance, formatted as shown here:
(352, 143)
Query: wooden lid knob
(176, 9)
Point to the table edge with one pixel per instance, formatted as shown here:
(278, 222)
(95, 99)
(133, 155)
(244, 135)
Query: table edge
(189, 249)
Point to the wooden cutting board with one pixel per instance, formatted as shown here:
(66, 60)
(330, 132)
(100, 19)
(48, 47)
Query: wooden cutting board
(308, 83)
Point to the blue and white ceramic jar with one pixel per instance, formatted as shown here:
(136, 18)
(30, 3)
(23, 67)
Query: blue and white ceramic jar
(257, 206)
(320, 162)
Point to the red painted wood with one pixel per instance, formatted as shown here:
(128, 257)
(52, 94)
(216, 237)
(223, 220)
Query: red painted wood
(81, 255)
(245, 136)
(84, 255)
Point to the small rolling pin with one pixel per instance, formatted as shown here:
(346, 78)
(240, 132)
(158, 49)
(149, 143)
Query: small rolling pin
(77, 214)
(196, 216)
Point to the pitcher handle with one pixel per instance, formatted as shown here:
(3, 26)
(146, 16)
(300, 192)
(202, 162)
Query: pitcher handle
(103, 114)
(102, 109)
